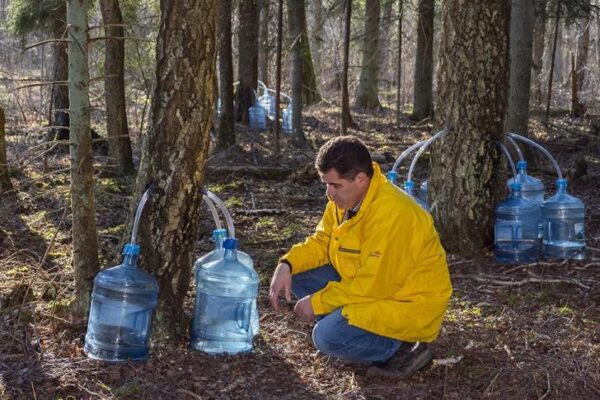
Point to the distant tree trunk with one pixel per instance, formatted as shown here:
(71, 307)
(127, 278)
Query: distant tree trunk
(583, 45)
(299, 43)
(521, 43)
(175, 150)
(538, 48)
(264, 46)
(465, 181)
(60, 92)
(278, 76)
(577, 108)
(83, 205)
(423, 85)
(384, 47)
(247, 58)
(4, 178)
(552, 60)
(346, 118)
(226, 134)
(295, 12)
(367, 95)
(316, 37)
(119, 144)
(399, 69)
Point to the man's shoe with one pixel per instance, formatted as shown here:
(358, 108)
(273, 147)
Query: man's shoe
(405, 362)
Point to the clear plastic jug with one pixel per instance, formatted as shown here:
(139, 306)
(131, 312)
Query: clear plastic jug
(409, 188)
(123, 300)
(516, 229)
(225, 293)
(257, 117)
(268, 103)
(287, 120)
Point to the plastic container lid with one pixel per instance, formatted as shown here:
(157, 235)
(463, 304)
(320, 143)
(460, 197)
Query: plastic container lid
(230, 244)
(131, 250)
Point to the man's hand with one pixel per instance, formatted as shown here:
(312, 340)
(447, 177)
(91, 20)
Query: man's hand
(304, 309)
(282, 280)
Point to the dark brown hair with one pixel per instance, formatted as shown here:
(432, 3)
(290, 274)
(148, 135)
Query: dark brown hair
(347, 154)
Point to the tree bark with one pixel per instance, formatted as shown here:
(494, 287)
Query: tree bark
(316, 37)
(247, 58)
(423, 85)
(465, 181)
(552, 60)
(119, 144)
(278, 77)
(399, 104)
(83, 205)
(60, 92)
(367, 95)
(4, 178)
(521, 43)
(583, 45)
(226, 133)
(264, 46)
(538, 48)
(175, 150)
(299, 43)
(346, 119)
(295, 12)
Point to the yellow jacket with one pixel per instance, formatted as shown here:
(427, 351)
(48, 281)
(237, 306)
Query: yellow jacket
(394, 276)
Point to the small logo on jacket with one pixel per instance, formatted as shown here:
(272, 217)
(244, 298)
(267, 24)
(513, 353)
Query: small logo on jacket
(375, 253)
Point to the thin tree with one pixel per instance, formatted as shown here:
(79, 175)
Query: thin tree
(226, 132)
(346, 119)
(367, 95)
(299, 44)
(278, 76)
(580, 66)
(399, 69)
(538, 48)
(247, 58)
(83, 204)
(175, 150)
(119, 144)
(521, 44)
(423, 83)
(465, 180)
(264, 46)
(552, 60)
(4, 177)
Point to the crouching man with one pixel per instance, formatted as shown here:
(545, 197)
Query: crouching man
(373, 275)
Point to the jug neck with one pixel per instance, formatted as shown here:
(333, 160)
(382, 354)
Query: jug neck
(230, 255)
(130, 260)
(561, 186)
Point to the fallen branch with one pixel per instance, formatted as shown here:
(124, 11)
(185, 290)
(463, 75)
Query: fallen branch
(261, 211)
(521, 282)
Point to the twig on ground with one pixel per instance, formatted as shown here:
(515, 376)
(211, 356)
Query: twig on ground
(549, 387)
(491, 384)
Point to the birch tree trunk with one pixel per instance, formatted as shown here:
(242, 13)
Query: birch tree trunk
(119, 144)
(423, 85)
(175, 150)
(367, 95)
(226, 134)
(4, 178)
(466, 177)
(83, 205)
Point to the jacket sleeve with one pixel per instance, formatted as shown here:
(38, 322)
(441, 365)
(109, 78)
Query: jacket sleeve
(402, 272)
(313, 252)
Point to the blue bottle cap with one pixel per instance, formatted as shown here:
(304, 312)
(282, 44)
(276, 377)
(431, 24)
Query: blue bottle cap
(521, 164)
(219, 234)
(392, 176)
(230, 244)
(409, 185)
(515, 185)
(561, 183)
(131, 250)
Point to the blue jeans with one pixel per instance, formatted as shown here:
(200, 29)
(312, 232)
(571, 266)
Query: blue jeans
(332, 334)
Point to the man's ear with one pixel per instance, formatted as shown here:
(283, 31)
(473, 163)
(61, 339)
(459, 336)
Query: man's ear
(362, 178)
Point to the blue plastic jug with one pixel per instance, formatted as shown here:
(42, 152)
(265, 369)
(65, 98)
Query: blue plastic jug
(257, 117)
(121, 311)
(268, 103)
(424, 192)
(563, 217)
(287, 120)
(225, 293)
(409, 188)
(219, 235)
(532, 189)
(516, 228)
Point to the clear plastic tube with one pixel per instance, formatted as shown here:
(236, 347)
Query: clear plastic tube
(224, 210)
(441, 133)
(138, 213)
(406, 152)
(540, 148)
(509, 158)
(213, 210)
(517, 148)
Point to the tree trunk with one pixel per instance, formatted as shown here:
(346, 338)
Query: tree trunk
(85, 240)
(60, 92)
(346, 118)
(119, 144)
(4, 178)
(247, 58)
(299, 42)
(278, 77)
(384, 46)
(295, 12)
(521, 43)
(466, 178)
(423, 85)
(399, 68)
(316, 37)
(226, 134)
(175, 150)
(367, 95)
(552, 60)
(538, 48)
(583, 45)
(264, 46)
(577, 108)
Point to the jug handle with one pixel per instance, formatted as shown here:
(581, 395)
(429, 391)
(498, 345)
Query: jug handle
(243, 316)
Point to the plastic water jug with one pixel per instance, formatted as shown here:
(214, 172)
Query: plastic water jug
(219, 235)
(287, 120)
(409, 188)
(532, 189)
(121, 311)
(563, 217)
(516, 228)
(257, 117)
(268, 103)
(225, 294)
(424, 192)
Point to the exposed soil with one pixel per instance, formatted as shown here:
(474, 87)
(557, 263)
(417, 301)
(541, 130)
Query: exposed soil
(511, 332)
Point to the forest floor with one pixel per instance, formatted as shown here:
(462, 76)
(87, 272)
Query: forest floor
(511, 332)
